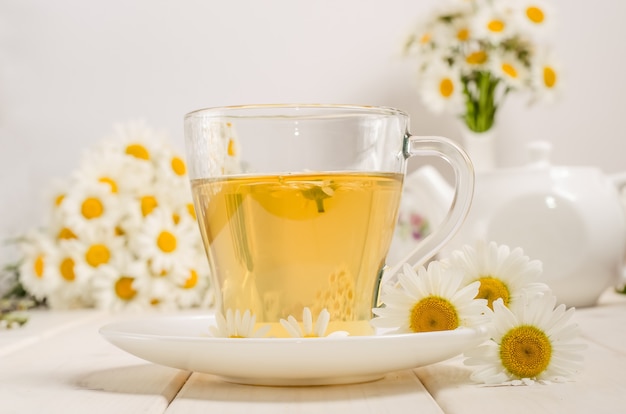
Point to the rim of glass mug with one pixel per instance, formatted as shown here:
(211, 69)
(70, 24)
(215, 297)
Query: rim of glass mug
(412, 145)
(321, 110)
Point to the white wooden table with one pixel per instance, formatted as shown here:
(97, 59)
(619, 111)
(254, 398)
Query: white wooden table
(58, 363)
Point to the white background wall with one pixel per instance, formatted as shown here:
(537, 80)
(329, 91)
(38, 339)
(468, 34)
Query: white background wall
(70, 69)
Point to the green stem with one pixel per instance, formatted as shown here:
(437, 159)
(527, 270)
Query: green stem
(480, 109)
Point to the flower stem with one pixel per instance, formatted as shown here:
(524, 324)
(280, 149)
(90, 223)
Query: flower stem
(481, 106)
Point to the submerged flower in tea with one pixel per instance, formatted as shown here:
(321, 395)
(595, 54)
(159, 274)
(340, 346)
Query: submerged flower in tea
(431, 299)
(532, 340)
(503, 273)
(308, 330)
(236, 325)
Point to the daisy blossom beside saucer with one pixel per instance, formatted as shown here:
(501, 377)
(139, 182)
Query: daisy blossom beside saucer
(530, 341)
(431, 299)
(502, 273)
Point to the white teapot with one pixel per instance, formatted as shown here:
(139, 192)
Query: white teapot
(570, 218)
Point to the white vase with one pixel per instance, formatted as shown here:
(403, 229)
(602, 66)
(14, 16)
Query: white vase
(481, 148)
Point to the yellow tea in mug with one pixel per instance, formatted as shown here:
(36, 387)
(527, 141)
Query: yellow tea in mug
(280, 243)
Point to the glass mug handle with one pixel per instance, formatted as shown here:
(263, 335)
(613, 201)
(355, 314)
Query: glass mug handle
(461, 201)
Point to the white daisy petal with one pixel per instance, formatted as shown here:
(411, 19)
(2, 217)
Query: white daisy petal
(543, 332)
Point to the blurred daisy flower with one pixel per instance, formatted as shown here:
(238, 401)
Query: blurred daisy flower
(236, 325)
(121, 231)
(431, 299)
(489, 48)
(441, 88)
(529, 341)
(308, 330)
(501, 273)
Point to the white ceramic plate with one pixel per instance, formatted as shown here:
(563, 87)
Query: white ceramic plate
(183, 342)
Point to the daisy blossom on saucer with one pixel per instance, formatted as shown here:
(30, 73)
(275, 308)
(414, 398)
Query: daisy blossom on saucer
(503, 273)
(530, 341)
(308, 330)
(431, 299)
(236, 325)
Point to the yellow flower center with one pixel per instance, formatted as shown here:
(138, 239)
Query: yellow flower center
(525, 351)
(495, 26)
(59, 199)
(231, 148)
(433, 314)
(535, 14)
(97, 254)
(124, 288)
(492, 289)
(66, 234)
(476, 58)
(38, 266)
(138, 151)
(236, 336)
(446, 87)
(463, 34)
(425, 38)
(112, 184)
(92, 208)
(67, 269)
(166, 242)
(509, 70)
(549, 77)
(191, 210)
(192, 280)
(178, 166)
(148, 203)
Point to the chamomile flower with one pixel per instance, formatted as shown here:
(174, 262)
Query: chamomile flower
(308, 330)
(171, 168)
(97, 247)
(72, 290)
(236, 325)
(111, 168)
(475, 58)
(118, 286)
(433, 299)
(502, 273)
(39, 260)
(90, 204)
(165, 245)
(530, 341)
(135, 140)
(441, 87)
(191, 291)
(535, 18)
(546, 77)
(492, 25)
(510, 69)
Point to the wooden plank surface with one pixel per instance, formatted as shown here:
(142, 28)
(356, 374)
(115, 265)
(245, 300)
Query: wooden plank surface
(397, 393)
(76, 371)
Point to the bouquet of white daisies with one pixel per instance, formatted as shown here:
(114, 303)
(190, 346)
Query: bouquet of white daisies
(472, 53)
(121, 232)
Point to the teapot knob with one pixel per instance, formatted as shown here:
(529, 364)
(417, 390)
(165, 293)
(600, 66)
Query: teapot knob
(539, 153)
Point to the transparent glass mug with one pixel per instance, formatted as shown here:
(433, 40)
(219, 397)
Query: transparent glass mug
(297, 205)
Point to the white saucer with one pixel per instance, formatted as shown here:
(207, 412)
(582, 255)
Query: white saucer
(183, 342)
